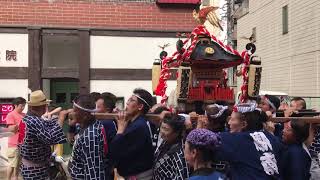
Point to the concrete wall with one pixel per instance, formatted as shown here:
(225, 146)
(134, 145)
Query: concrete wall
(290, 61)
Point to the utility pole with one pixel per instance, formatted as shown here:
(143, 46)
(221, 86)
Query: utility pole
(229, 23)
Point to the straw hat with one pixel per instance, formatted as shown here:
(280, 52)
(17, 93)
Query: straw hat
(37, 98)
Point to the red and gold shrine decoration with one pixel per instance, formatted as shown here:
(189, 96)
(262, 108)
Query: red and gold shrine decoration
(184, 54)
(245, 76)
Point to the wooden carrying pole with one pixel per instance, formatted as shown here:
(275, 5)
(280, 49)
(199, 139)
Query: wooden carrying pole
(156, 117)
(315, 120)
(105, 116)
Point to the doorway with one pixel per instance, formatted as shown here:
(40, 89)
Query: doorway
(63, 92)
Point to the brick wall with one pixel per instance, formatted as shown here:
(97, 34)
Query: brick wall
(95, 14)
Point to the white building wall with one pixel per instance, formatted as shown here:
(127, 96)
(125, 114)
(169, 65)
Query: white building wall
(290, 61)
(125, 88)
(127, 52)
(11, 88)
(15, 42)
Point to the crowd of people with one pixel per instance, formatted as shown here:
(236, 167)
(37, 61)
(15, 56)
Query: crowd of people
(237, 142)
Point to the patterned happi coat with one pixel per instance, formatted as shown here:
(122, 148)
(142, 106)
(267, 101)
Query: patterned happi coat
(251, 155)
(40, 134)
(88, 159)
(170, 163)
(315, 146)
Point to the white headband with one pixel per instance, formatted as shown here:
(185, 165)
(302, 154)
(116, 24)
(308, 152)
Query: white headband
(142, 100)
(246, 107)
(84, 109)
(270, 103)
(221, 110)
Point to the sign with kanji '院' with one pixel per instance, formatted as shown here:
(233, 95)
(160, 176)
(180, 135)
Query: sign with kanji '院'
(11, 55)
(13, 50)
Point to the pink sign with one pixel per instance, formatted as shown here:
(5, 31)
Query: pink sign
(5, 109)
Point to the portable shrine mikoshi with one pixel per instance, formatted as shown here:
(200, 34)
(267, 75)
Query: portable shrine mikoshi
(201, 61)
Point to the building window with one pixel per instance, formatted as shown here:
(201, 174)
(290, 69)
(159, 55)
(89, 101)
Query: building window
(285, 19)
(61, 51)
